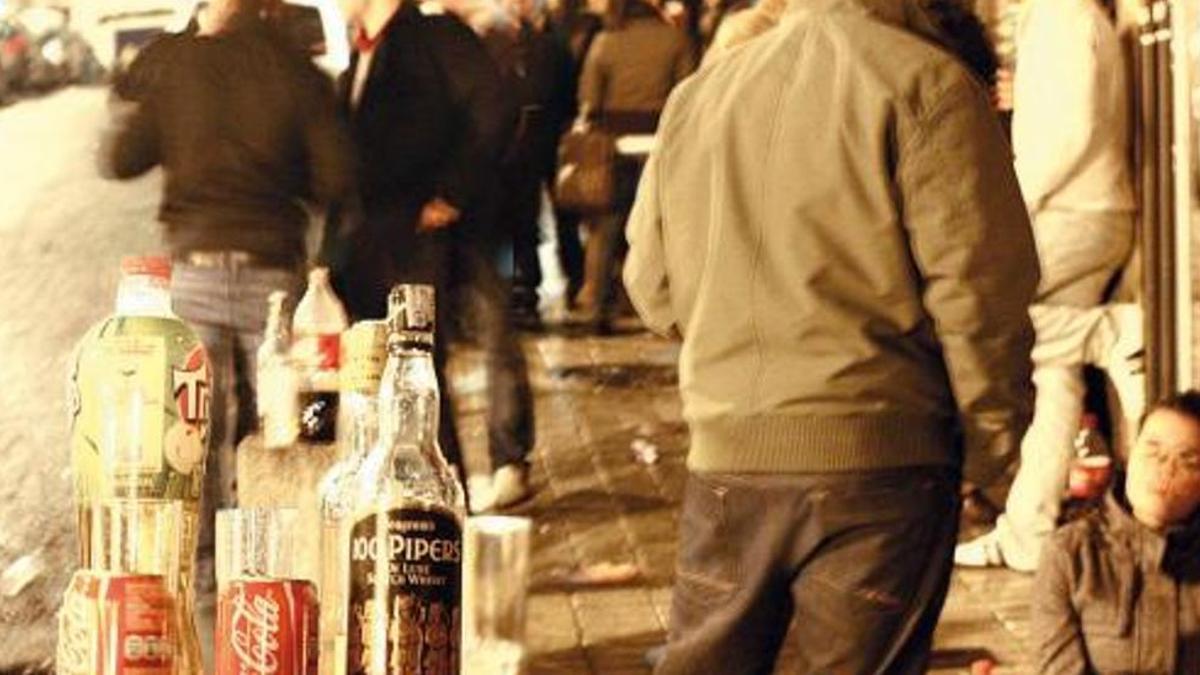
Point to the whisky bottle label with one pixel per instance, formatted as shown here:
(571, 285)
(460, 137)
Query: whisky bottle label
(405, 592)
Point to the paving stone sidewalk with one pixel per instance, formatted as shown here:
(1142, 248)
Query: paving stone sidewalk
(598, 504)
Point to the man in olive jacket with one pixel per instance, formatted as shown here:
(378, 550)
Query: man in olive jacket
(831, 223)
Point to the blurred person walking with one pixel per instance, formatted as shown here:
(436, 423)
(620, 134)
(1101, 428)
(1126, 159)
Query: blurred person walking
(246, 130)
(537, 70)
(573, 25)
(1070, 137)
(429, 119)
(631, 68)
(831, 223)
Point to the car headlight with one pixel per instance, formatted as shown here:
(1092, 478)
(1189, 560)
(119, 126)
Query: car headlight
(53, 51)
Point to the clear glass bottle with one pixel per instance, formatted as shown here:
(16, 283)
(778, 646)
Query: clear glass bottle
(278, 409)
(393, 527)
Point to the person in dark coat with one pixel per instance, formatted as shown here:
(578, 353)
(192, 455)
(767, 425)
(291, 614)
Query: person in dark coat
(537, 70)
(576, 27)
(429, 119)
(631, 68)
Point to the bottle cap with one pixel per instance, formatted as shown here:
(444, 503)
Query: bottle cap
(156, 266)
(411, 315)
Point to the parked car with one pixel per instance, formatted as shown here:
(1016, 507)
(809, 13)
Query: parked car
(59, 55)
(117, 29)
(15, 49)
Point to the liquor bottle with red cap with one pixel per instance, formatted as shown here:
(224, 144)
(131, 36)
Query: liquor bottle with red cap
(1090, 471)
(138, 400)
(317, 327)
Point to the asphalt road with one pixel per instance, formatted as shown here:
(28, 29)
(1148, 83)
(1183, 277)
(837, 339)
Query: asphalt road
(63, 230)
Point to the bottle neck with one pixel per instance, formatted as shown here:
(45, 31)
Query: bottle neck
(409, 399)
(144, 296)
(276, 332)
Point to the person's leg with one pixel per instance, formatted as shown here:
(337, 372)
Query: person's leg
(600, 262)
(570, 252)
(425, 259)
(527, 276)
(1034, 500)
(730, 606)
(1107, 336)
(871, 581)
(1079, 255)
(201, 297)
(510, 400)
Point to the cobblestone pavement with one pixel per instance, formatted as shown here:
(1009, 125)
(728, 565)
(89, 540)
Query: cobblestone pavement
(62, 232)
(597, 503)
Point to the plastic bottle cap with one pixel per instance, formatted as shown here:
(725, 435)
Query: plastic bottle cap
(157, 266)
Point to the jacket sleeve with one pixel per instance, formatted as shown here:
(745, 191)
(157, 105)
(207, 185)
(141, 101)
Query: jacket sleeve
(326, 143)
(645, 273)
(972, 245)
(593, 78)
(129, 146)
(1055, 627)
(484, 108)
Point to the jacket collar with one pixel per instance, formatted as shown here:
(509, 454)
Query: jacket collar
(1174, 550)
(910, 15)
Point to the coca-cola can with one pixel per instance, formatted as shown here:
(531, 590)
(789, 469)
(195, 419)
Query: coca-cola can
(117, 625)
(267, 627)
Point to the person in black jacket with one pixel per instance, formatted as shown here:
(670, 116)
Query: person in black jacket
(246, 130)
(429, 119)
(537, 69)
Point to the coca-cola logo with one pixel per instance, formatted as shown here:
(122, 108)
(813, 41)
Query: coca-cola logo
(255, 633)
(76, 638)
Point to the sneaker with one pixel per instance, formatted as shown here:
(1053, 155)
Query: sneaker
(510, 485)
(983, 551)
(1125, 361)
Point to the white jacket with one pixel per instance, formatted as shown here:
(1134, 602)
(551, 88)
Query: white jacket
(1070, 128)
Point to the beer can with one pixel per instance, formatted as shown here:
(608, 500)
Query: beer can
(267, 626)
(116, 625)
(78, 650)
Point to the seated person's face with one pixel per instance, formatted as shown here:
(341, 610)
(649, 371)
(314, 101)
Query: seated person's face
(1163, 484)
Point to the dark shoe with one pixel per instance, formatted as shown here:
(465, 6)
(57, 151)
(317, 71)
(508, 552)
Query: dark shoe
(978, 510)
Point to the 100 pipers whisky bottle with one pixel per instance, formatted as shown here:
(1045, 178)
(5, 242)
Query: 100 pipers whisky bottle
(400, 541)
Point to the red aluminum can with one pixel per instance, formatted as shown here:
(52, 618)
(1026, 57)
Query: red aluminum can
(267, 627)
(117, 625)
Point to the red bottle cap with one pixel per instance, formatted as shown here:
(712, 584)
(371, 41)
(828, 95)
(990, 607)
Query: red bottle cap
(147, 265)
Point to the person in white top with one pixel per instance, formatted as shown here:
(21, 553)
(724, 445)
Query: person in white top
(1070, 136)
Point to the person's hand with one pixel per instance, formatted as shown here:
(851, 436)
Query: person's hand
(437, 214)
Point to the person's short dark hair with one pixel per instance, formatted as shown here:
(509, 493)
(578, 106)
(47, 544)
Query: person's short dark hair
(967, 38)
(1185, 403)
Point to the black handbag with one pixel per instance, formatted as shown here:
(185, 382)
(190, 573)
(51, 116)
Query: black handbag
(586, 180)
